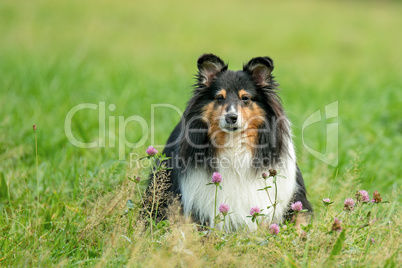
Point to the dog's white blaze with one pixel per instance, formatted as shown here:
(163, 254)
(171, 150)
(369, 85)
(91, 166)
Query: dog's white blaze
(239, 123)
(240, 186)
(232, 110)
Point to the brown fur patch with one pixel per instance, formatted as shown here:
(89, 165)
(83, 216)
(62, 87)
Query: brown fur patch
(222, 92)
(243, 93)
(254, 117)
(211, 115)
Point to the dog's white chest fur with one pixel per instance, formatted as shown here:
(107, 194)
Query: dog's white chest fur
(240, 185)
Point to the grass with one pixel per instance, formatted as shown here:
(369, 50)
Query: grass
(55, 55)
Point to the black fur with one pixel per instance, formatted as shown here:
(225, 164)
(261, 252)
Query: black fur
(300, 195)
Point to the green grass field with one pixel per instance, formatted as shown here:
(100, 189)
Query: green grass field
(55, 55)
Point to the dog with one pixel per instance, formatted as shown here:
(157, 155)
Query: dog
(234, 124)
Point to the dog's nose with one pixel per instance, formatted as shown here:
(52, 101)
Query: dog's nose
(231, 118)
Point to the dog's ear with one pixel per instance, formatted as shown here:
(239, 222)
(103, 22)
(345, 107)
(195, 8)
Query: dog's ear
(260, 70)
(209, 66)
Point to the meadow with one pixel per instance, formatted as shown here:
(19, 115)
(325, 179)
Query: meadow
(65, 206)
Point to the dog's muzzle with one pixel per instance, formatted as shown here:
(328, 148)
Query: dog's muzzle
(230, 122)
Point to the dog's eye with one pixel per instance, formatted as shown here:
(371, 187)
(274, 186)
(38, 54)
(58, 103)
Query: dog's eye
(219, 98)
(245, 99)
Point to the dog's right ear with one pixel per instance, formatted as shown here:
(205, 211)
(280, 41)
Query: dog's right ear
(209, 66)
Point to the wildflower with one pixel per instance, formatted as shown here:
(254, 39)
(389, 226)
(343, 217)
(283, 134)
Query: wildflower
(336, 226)
(272, 172)
(264, 175)
(297, 206)
(326, 201)
(151, 151)
(34, 127)
(365, 195)
(349, 204)
(255, 211)
(372, 240)
(224, 209)
(216, 178)
(376, 197)
(362, 196)
(274, 229)
(137, 179)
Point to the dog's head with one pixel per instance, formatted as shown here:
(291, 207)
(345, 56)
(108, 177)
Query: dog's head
(242, 105)
(236, 101)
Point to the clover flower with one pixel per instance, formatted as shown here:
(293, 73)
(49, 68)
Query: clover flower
(216, 178)
(336, 226)
(264, 175)
(362, 196)
(272, 172)
(376, 197)
(255, 211)
(349, 204)
(297, 206)
(151, 151)
(326, 201)
(224, 209)
(274, 229)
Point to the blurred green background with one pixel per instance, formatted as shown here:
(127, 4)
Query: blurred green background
(57, 54)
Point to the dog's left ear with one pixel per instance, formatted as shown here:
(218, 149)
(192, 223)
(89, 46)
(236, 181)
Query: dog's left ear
(260, 70)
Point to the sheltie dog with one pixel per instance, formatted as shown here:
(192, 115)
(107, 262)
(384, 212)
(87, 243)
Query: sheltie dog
(235, 125)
